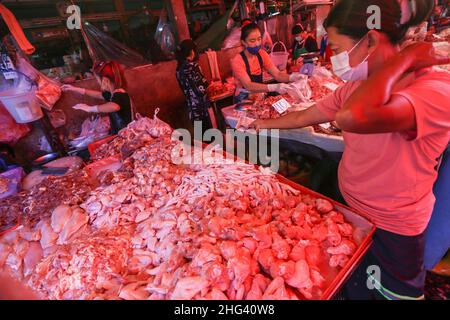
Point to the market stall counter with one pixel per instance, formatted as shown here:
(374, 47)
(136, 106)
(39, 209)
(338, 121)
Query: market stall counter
(329, 143)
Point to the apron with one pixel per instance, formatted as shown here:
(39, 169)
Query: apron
(243, 95)
(299, 49)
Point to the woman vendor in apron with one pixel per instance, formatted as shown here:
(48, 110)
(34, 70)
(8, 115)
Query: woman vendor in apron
(248, 67)
(117, 103)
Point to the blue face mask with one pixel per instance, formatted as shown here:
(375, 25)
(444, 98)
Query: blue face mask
(253, 50)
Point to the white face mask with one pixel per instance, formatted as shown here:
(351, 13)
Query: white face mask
(342, 68)
(299, 39)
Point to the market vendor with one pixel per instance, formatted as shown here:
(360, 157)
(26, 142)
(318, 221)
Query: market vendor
(396, 123)
(193, 83)
(117, 101)
(248, 67)
(304, 43)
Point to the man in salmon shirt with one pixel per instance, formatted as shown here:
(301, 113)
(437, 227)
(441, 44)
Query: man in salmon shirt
(395, 117)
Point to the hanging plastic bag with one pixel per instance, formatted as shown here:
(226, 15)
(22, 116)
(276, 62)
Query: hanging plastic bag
(284, 26)
(164, 36)
(48, 91)
(233, 39)
(272, 26)
(267, 39)
(103, 47)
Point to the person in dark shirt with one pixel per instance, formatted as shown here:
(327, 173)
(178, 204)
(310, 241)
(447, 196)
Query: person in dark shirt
(193, 83)
(117, 101)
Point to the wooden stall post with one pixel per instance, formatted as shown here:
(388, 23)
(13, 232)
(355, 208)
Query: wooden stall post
(177, 13)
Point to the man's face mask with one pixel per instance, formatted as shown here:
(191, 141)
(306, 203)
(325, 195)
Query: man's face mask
(342, 68)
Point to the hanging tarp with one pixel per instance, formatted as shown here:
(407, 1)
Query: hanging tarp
(103, 47)
(284, 25)
(164, 35)
(214, 37)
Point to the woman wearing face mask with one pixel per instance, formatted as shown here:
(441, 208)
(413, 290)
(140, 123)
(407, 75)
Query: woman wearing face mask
(396, 123)
(248, 67)
(193, 83)
(117, 101)
(304, 43)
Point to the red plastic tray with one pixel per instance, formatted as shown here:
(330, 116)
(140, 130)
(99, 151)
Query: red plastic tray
(357, 219)
(97, 144)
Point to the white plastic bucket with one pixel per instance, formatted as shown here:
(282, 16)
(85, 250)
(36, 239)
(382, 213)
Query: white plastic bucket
(280, 58)
(23, 106)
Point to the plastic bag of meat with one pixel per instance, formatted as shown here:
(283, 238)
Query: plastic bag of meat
(155, 127)
(48, 91)
(300, 90)
(162, 127)
(92, 129)
(322, 72)
(10, 131)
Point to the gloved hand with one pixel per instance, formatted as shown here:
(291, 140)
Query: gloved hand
(281, 88)
(85, 108)
(68, 87)
(296, 76)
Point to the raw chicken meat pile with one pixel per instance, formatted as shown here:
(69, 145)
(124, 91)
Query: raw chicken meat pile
(156, 230)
